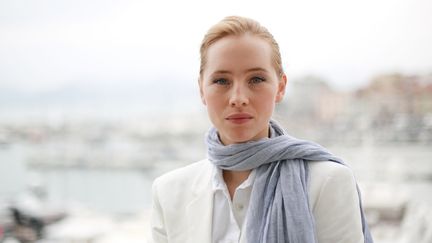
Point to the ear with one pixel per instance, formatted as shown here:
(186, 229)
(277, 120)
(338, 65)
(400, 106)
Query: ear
(281, 88)
(200, 84)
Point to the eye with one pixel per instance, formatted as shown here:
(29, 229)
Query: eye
(256, 80)
(221, 81)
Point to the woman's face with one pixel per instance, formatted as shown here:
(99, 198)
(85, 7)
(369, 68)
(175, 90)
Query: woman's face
(240, 86)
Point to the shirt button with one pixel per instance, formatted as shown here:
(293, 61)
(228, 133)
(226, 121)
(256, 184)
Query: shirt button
(239, 206)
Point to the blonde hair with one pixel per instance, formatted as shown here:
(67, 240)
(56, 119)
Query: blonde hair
(237, 26)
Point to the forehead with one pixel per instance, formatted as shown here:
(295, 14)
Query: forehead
(236, 53)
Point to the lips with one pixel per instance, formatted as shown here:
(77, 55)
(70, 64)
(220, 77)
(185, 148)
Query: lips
(239, 118)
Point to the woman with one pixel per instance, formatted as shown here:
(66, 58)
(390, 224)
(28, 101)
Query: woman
(257, 184)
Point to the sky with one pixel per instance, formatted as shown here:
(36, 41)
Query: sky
(48, 45)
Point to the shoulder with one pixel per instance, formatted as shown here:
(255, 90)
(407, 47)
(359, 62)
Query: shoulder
(334, 201)
(183, 180)
(184, 174)
(329, 176)
(324, 170)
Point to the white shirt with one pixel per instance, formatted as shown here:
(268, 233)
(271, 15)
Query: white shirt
(229, 216)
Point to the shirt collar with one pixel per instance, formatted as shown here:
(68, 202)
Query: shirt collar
(219, 183)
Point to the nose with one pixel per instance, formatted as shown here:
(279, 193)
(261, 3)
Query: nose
(239, 96)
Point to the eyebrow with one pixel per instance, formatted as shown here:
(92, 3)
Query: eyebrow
(248, 70)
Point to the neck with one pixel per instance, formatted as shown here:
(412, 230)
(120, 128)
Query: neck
(233, 179)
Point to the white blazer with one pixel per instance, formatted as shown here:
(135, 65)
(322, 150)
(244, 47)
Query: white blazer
(183, 204)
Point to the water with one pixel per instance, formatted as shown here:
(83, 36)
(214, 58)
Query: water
(124, 191)
(116, 191)
(13, 174)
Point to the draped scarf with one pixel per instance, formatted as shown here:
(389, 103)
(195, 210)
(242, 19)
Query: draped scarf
(279, 205)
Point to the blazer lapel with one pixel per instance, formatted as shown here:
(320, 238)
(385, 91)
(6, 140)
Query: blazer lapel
(200, 209)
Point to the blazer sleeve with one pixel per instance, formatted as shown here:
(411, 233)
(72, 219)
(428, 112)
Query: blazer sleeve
(337, 207)
(157, 222)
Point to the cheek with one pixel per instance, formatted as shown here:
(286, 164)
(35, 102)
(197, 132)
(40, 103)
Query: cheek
(214, 102)
(267, 107)
(266, 99)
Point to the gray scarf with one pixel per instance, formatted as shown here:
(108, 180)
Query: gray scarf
(279, 204)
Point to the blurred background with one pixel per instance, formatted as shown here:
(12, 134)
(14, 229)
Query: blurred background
(97, 98)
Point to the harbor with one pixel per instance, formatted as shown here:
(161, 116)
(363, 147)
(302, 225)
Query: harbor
(100, 182)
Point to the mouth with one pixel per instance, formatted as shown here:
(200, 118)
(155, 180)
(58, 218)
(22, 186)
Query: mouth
(239, 118)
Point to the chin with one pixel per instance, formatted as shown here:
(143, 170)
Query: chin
(231, 135)
(240, 138)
